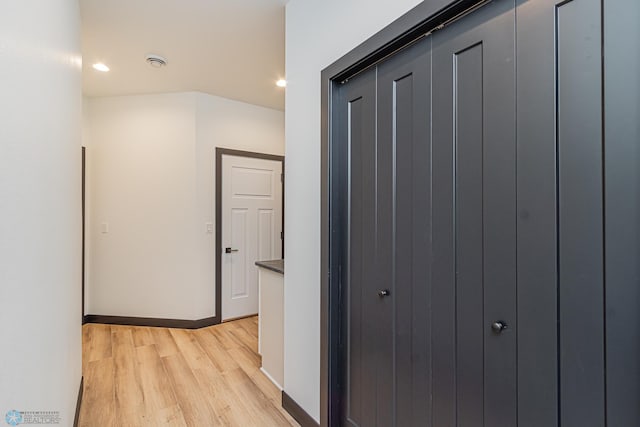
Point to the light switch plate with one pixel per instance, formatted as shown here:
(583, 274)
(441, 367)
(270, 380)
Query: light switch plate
(209, 227)
(104, 227)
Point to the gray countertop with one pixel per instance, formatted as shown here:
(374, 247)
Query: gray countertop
(276, 265)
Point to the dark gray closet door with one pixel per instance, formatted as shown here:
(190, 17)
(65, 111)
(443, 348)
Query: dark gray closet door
(474, 228)
(357, 112)
(386, 325)
(404, 237)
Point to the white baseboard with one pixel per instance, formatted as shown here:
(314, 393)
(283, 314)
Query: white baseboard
(271, 378)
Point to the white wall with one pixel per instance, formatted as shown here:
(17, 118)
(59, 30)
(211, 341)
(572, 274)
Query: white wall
(317, 34)
(142, 184)
(225, 123)
(151, 175)
(40, 114)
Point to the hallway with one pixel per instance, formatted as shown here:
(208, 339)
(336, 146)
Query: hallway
(137, 376)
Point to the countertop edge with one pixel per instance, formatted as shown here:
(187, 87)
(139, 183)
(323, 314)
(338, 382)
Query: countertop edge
(276, 265)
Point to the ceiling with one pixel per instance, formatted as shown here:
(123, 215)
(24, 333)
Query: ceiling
(228, 48)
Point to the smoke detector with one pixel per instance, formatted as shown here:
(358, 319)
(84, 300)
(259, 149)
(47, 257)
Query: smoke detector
(156, 61)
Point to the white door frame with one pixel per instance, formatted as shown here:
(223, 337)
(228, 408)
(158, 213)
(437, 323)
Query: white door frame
(229, 152)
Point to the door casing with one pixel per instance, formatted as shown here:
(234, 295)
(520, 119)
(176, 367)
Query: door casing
(218, 200)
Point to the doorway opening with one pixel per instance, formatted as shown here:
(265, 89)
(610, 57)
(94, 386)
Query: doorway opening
(249, 226)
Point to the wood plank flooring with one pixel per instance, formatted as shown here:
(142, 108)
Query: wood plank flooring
(135, 376)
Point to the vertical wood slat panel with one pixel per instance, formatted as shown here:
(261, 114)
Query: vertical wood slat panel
(580, 238)
(499, 223)
(443, 296)
(385, 264)
(404, 122)
(361, 334)
(622, 192)
(469, 235)
(537, 214)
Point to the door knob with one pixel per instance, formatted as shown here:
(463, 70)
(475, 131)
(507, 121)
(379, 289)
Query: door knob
(229, 250)
(383, 293)
(498, 327)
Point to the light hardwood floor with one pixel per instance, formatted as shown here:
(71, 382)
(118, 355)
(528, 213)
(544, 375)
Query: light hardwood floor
(137, 376)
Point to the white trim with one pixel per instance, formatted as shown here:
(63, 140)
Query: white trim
(271, 378)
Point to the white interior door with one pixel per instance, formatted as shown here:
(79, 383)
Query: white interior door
(251, 228)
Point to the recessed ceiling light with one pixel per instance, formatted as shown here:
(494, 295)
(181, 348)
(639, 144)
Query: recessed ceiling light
(281, 83)
(101, 67)
(156, 61)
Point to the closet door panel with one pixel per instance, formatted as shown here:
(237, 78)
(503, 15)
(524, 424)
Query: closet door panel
(499, 218)
(361, 315)
(469, 219)
(537, 214)
(580, 214)
(443, 292)
(474, 239)
(622, 198)
(404, 126)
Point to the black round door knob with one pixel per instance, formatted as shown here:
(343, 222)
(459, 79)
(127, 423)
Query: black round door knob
(383, 293)
(498, 327)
